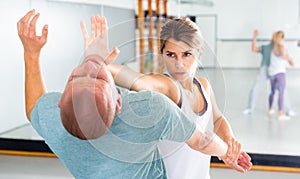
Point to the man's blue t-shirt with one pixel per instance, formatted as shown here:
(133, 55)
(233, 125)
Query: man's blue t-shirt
(265, 51)
(128, 149)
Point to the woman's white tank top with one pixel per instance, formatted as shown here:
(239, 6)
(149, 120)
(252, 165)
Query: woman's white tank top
(180, 160)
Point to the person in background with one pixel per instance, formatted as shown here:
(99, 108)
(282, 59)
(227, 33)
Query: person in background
(277, 71)
(263, 77)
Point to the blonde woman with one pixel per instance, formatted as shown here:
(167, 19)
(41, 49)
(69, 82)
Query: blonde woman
(277, 71)
(181, 48)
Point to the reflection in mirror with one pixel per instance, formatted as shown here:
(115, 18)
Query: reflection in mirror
(22, 132)
(227, 27)
(59, 56)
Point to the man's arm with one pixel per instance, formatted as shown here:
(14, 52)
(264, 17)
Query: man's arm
(254, 40)
(34, 85)
(207, 144)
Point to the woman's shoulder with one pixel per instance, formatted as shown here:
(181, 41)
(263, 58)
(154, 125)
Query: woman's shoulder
(165, 85)
(204, 82)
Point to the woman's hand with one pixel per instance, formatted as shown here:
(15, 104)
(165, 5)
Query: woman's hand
(97, 43)
(235, 158)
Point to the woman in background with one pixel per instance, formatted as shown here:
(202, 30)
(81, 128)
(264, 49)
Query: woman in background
(277, 71)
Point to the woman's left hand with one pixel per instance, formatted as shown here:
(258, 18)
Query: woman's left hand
(97, 43)
(235, 158)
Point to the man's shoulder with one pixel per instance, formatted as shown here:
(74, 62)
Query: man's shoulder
(49, 99)
(45, 111)
(146, 103)
(51, 96)
(143, 95)
(268, 46)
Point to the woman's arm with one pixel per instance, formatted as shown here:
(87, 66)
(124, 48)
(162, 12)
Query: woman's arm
(123, 75)
(207, 143)
(284, 55)
(130, 79)
(223, 130)
(221, 126)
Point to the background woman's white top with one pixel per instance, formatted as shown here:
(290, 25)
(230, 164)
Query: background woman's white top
(277, 64)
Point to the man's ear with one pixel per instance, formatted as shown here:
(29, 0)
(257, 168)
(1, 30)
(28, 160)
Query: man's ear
(119, 104)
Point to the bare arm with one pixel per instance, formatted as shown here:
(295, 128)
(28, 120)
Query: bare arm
(284, 55)
(254, 40)
(215, 146)
(34, 85)
(123, 75)
(237, 159)
(130, 79)
(221, 126)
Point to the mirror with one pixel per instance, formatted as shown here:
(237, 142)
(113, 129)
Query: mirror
(227, 27)
(63, 20)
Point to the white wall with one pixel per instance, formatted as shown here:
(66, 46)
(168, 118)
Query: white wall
(124, 4)
(11, 69)
(236, 21)
(237, 54)
(61, 53)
